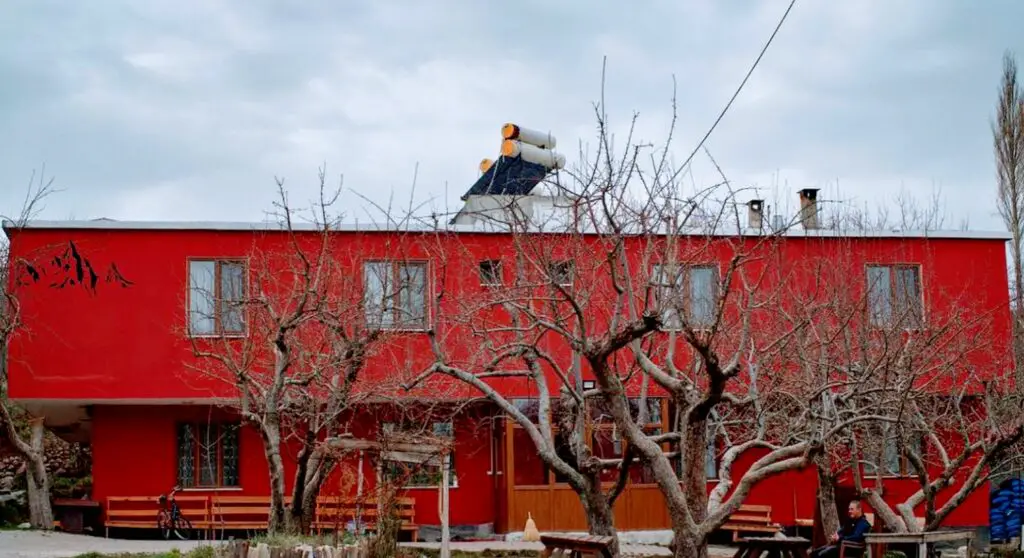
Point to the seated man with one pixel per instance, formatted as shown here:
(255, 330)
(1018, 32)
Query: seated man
(853, 531)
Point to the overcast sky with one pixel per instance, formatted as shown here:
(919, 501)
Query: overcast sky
(188, 110)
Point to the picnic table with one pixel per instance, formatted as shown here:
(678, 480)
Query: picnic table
(920, 539)
(572, 546)
(784, 547)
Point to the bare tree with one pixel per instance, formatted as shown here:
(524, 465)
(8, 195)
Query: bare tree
(1008, 143)
(292, 375)
(29, 445)
(628, 287)
(955, 419)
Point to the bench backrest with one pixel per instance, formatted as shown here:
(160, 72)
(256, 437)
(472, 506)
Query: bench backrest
(341, 509)
(248, 509)
(753, 514)
(194, 508)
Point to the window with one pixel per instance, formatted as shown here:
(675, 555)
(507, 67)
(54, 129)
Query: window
(691, 289)
(894, 462)
(216, 296)
(396, 294)
(490, 273)
(894, 295)
(561, 273)
(207, 455)
(417, 474)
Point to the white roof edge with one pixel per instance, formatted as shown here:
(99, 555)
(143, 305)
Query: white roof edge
(107, 224)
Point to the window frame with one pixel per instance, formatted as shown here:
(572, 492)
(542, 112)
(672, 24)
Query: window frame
(453, 477)
(894, 313)
(218, 330)
(197, 454)
(685, 281)
(396, 266)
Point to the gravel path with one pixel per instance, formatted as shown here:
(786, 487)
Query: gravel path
(35, 544)
(18, 544)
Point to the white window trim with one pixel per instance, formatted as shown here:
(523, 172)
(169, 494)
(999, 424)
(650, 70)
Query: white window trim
(427, 295)
(188, 298)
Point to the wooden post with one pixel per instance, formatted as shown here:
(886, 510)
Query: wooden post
(443, 502)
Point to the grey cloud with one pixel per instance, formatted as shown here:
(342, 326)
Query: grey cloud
(170, 110)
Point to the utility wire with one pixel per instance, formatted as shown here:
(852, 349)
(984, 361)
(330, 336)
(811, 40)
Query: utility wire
(738, 89)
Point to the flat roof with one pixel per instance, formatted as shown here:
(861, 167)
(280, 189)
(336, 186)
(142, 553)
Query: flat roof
(794, 232)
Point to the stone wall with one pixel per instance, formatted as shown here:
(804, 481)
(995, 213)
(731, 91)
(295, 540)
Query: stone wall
(63, 460)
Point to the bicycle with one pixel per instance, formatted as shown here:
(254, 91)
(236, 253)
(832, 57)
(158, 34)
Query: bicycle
(169, 519)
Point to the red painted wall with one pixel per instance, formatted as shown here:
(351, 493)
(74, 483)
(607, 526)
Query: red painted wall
(122, 342)
(117, 342)
(134, 454)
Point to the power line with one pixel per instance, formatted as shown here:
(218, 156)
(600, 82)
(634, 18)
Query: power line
(738, 89)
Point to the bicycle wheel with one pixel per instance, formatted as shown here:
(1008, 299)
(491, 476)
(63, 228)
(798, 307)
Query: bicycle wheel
(182, 528)
(163, 522)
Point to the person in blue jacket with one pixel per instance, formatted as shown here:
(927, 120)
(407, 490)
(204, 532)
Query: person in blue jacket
(853, 531)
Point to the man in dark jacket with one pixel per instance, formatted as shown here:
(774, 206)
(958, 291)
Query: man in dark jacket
(853, 532)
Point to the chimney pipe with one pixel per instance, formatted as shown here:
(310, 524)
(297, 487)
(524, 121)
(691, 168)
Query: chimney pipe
(755, 214)
(809, 208)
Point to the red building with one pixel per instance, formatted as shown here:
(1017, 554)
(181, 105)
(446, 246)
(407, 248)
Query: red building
(105, 356)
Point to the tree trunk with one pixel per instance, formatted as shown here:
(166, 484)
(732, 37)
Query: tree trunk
(318, 469)
(271, 430)
(827, 495)
(38, 481)
(298, 514)
(688, 545)
(600, 517)
(694, 475)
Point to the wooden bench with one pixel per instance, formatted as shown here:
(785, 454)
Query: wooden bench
(242, 513)
(140, 512)
(571, 546)
(751, 519)
(334, 513)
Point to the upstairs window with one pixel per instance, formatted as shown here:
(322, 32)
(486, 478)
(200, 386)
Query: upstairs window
(396, 294)
(490, 273)
(216, 297)
(688, 290)
(894, 295)
(561, 273)
(208, 455)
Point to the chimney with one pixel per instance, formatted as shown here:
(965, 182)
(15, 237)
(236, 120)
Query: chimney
(809, 208)
(755, 214)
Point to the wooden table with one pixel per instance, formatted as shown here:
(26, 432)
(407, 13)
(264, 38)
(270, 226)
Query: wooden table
(786, 547)
(71, 514)
(920, 539)
(576, 546)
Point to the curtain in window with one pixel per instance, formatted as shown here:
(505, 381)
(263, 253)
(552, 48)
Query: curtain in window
(186, 456)
(232, 292)
(412, 295)
(229, 455)
(208, 456)
(668, 288)
(201, 296)
(908, 294)
(378, 285)
(702, 295)
(879, 294)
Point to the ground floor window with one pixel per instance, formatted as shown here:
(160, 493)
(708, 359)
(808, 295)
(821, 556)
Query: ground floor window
(419, 475)
(207, 455)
